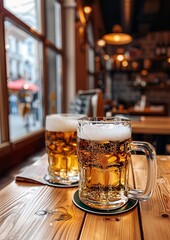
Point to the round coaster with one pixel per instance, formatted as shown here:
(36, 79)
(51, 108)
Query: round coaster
(127, 207)
(62, 185)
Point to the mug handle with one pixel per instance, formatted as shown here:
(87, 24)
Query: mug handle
(150, 154)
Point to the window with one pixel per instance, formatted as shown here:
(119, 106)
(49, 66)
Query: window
(29, 60)
(90, 57)
(25, 113)
(26, 10)
(54, 22)
(55, 87)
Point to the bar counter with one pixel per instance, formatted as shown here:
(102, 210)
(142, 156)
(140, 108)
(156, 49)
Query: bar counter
(32, 211)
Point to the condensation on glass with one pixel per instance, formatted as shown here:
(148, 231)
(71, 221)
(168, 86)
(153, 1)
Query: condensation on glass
(55, 82)
(24, 80)
(26, 10)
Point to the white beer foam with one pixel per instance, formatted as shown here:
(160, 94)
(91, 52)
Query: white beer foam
(61, 123)
(105, 132)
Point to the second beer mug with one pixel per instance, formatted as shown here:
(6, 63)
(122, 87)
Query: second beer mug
(61, 146)
(104, 155)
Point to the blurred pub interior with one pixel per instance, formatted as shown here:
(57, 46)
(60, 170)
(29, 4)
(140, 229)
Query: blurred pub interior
(50, 50)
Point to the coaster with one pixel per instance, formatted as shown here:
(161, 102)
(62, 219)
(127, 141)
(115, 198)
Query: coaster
(127, 207)
(62, 185)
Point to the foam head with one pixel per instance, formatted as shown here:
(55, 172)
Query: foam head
(62, 122)
(105, 132)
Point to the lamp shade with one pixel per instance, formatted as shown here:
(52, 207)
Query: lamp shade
(117, 37)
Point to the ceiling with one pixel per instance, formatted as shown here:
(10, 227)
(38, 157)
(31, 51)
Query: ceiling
(137, 17)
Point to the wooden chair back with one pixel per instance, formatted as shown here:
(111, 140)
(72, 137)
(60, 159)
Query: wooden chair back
(88, 102)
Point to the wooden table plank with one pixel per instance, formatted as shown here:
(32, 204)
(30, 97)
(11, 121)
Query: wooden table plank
(21, 201)
(155, 213)
(120, 227)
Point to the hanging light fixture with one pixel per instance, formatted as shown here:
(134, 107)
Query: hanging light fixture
(117, 37)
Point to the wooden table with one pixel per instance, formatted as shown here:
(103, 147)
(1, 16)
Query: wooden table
(20, 203)
(147, 111)
(151, 125)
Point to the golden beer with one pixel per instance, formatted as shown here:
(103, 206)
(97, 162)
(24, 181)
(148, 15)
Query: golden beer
(104, 171)
(61, 147)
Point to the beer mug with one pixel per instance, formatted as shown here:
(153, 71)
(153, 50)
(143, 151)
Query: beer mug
(61, 147)
(104, 155)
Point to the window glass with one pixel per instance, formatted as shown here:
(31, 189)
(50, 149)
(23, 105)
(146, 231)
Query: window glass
(23, 81)
(90, 62)
(26, 10)
(54, 22)
(59, 82)
(55, 82)
(90, 34)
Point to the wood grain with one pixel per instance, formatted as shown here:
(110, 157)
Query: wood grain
(155, 213)
(124, 226)
(20, 203)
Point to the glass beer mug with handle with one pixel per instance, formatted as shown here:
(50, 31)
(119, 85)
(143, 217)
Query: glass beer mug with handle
(104, 155)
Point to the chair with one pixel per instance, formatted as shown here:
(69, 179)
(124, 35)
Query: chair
(88, 102)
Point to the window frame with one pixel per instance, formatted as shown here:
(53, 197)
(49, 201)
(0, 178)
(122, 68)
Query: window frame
(14, 151)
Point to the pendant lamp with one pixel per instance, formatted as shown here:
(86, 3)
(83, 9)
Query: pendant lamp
(117, 37)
